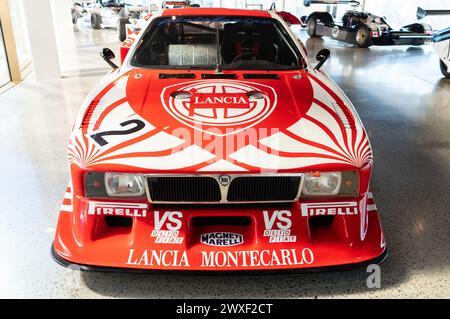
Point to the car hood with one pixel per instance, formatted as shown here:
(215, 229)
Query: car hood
(178, 121)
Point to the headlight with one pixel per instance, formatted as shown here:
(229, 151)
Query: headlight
(331, 183)
(104, 185)
(121, 184)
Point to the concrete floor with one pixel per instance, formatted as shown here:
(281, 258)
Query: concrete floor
(403, 101)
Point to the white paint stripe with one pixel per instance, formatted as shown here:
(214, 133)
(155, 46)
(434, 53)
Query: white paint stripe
(109, 204)
(68, 196)
(371, 207)
(66, 208)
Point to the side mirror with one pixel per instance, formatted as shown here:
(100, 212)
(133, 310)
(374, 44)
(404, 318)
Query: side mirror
(322, 56)
(108, 55)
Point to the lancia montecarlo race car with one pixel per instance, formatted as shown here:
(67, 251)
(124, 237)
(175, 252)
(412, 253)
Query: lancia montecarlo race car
(363, 28)
(216, 146)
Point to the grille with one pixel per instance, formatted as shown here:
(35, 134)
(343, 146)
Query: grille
(207, 189)
(183, 189)
(267, 189)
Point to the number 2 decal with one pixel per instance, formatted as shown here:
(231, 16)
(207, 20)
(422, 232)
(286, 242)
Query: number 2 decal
(98, 137)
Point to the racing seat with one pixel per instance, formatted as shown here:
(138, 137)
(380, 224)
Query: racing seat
(248, 41)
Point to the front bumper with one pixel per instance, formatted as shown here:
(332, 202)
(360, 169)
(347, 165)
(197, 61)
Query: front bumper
(221, 238)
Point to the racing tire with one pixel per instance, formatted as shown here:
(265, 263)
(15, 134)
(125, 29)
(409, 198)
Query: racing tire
(96, 21)
(311, 27)
(325, 17)
(122, 26)
(444, 69)
(362, 33)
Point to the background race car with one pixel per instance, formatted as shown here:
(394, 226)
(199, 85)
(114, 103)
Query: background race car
(135, 24)
(441, 40)
(107, 14)
(363, 28)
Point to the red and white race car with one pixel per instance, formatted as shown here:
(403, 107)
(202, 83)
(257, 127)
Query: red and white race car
(216, 146)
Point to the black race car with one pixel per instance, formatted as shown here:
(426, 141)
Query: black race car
(363, 28)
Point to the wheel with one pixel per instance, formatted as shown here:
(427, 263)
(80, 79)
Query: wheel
(363, 36)
(444, 69)
(311, 27)
(96, 21)
(123, 29)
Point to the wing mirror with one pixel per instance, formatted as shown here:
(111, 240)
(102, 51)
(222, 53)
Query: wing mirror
(108, 55)
(322, 56)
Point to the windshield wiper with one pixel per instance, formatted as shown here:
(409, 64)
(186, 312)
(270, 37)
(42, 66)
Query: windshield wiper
(218, 65)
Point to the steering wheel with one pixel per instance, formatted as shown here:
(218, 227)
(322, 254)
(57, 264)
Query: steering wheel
(244, 54)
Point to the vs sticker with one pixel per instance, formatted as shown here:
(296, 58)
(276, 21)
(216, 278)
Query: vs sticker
(167, 227)
(278, 226)
(329, 209)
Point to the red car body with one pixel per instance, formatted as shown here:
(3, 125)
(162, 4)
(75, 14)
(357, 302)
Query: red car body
(285, 123)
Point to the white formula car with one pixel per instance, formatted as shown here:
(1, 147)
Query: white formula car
(111, 13)
(441, 40)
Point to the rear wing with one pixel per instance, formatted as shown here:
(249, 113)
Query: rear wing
(422, 13)
(307, 3)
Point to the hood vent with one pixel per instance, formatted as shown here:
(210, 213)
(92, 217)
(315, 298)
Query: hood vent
(218, 76)
(88, 115)
(346, 121)
(176, 76)
(261, 76)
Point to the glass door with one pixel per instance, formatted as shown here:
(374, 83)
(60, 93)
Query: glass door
(5, 76)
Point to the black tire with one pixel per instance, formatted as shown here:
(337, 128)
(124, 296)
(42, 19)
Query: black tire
(444, 69)
(96, 21)
(311, 27)
(362, 34)
(325, 17)
(123, 28)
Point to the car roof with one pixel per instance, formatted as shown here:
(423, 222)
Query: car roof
(216, 12)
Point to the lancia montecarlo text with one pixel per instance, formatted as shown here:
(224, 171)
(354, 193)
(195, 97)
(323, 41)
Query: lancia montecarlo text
(217, 146)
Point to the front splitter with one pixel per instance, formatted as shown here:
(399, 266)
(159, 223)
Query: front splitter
(90, 268)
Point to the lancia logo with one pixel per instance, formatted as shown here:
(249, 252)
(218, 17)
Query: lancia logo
(220, 107)
(224, 180)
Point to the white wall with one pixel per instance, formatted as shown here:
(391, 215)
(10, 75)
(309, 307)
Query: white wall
(42, 39)
(62, 20)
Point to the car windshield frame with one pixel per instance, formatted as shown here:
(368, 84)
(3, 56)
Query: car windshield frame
(265, 65)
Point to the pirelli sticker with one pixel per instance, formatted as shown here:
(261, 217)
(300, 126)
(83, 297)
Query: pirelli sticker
(329, 209)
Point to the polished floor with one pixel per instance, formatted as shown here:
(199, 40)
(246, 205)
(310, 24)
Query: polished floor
(403, 101)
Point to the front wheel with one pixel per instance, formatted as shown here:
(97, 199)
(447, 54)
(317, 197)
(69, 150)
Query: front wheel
(96, 21)
(444, 69)
(363, 36)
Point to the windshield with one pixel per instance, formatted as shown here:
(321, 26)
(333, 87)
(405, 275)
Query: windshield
(212, 42)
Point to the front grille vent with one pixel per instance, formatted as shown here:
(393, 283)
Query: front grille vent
(183, 189)
(229, 189)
